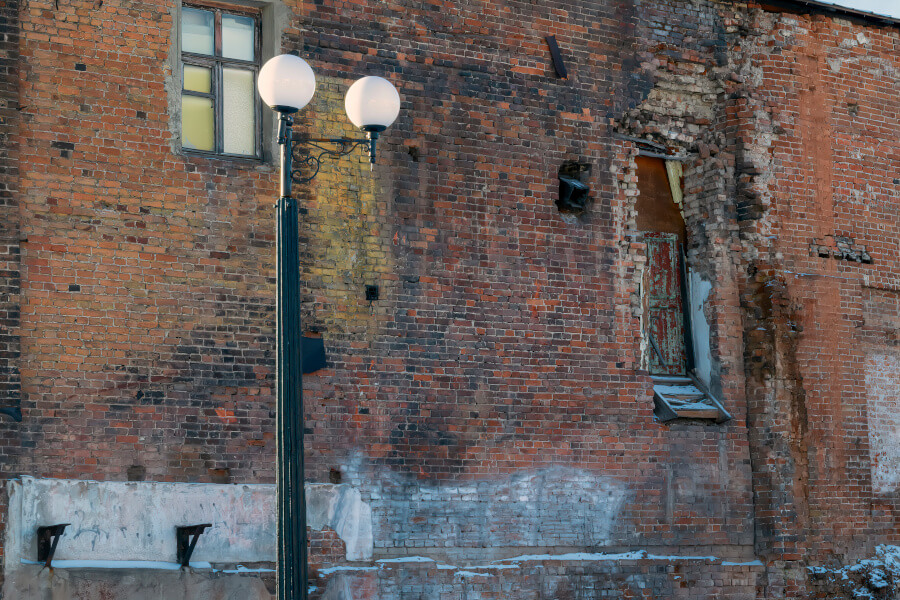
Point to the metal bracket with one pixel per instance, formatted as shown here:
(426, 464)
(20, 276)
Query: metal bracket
(47, 539)
(13, 412)
(308, 153)
(187, 539)
(655, 347)
(314, 357)
(558, 65)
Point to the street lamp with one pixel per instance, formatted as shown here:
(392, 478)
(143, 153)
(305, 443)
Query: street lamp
(286, 83)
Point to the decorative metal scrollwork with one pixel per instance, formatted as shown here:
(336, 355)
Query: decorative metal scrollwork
(308, 154)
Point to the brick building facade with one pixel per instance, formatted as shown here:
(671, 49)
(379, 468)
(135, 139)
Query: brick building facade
(488, 424)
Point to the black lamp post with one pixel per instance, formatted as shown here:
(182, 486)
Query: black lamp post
(286, 83)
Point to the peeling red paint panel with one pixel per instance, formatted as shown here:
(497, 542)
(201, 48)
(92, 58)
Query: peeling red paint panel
(664, 303)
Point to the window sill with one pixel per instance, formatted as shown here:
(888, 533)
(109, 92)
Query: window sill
(231, 158)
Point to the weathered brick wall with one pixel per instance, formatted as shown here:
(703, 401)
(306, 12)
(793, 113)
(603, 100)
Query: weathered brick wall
(496, 359)
(147, 323)
(10, 271)
(490, 403)
(831, 91)
(801, 144)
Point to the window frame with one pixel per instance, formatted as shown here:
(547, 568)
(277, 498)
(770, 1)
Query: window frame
(217, 63)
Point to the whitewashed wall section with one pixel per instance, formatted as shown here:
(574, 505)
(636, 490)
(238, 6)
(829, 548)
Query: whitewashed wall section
(553, 507)
(136, 521)
(883, 408)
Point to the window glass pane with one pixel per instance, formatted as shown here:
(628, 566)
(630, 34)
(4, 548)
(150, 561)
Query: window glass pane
(197, 31)
(238, 111)
(237, 37)
(197, 79)
(197, 129)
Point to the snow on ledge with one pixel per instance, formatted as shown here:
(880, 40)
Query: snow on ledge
(406, 559)
(119, 564)
(514, 562)
(602, 556)
(156, 565)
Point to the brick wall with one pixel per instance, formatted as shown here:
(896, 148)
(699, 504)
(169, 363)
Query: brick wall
(802, 110)
(10, 273)
(490, 403)
(147, 319)
(835, 159)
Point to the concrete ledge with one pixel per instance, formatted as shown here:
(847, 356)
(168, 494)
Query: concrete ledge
(135, 521)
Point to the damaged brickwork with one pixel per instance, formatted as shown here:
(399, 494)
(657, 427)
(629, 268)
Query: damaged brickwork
(772, 85)
(491, 406)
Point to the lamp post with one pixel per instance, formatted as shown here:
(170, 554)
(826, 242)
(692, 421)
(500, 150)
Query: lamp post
(286, 83)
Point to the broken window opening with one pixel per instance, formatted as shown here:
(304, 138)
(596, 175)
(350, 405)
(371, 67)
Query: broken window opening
(670, 350)
(666, 327)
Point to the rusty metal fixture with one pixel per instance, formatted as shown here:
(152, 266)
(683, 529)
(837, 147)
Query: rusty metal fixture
(186, 537)
(558, 65)
(573, 190)
(47, 539)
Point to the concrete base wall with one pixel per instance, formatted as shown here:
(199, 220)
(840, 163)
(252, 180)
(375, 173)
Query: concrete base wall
(37, 583)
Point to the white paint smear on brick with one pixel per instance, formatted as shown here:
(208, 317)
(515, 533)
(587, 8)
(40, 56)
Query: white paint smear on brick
(883, 404)
(136, 521)
(549, 507)
(700, 332)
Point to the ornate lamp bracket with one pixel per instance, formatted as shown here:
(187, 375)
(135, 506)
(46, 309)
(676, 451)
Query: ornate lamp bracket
(307, 154)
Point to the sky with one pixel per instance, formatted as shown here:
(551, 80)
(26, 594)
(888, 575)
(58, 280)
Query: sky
(891, 8)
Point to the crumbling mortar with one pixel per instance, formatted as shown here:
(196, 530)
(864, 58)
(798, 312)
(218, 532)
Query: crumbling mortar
(777, 413)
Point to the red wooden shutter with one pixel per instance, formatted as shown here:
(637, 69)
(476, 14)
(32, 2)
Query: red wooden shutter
(665, 324)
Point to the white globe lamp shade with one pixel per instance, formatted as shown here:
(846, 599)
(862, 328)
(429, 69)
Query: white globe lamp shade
(372, 103)
(286, 83)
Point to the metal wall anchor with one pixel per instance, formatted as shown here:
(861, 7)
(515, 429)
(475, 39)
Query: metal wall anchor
(47, 539)
(187, 538)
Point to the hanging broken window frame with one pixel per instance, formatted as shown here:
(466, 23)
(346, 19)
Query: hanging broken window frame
(220, 55)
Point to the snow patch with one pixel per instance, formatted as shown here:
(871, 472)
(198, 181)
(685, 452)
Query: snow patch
(866, 579)
(330, 570)
(675, 557)
(471, 574)
(406, 559)
(576, 556)
(243, 569)
(677, 390)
